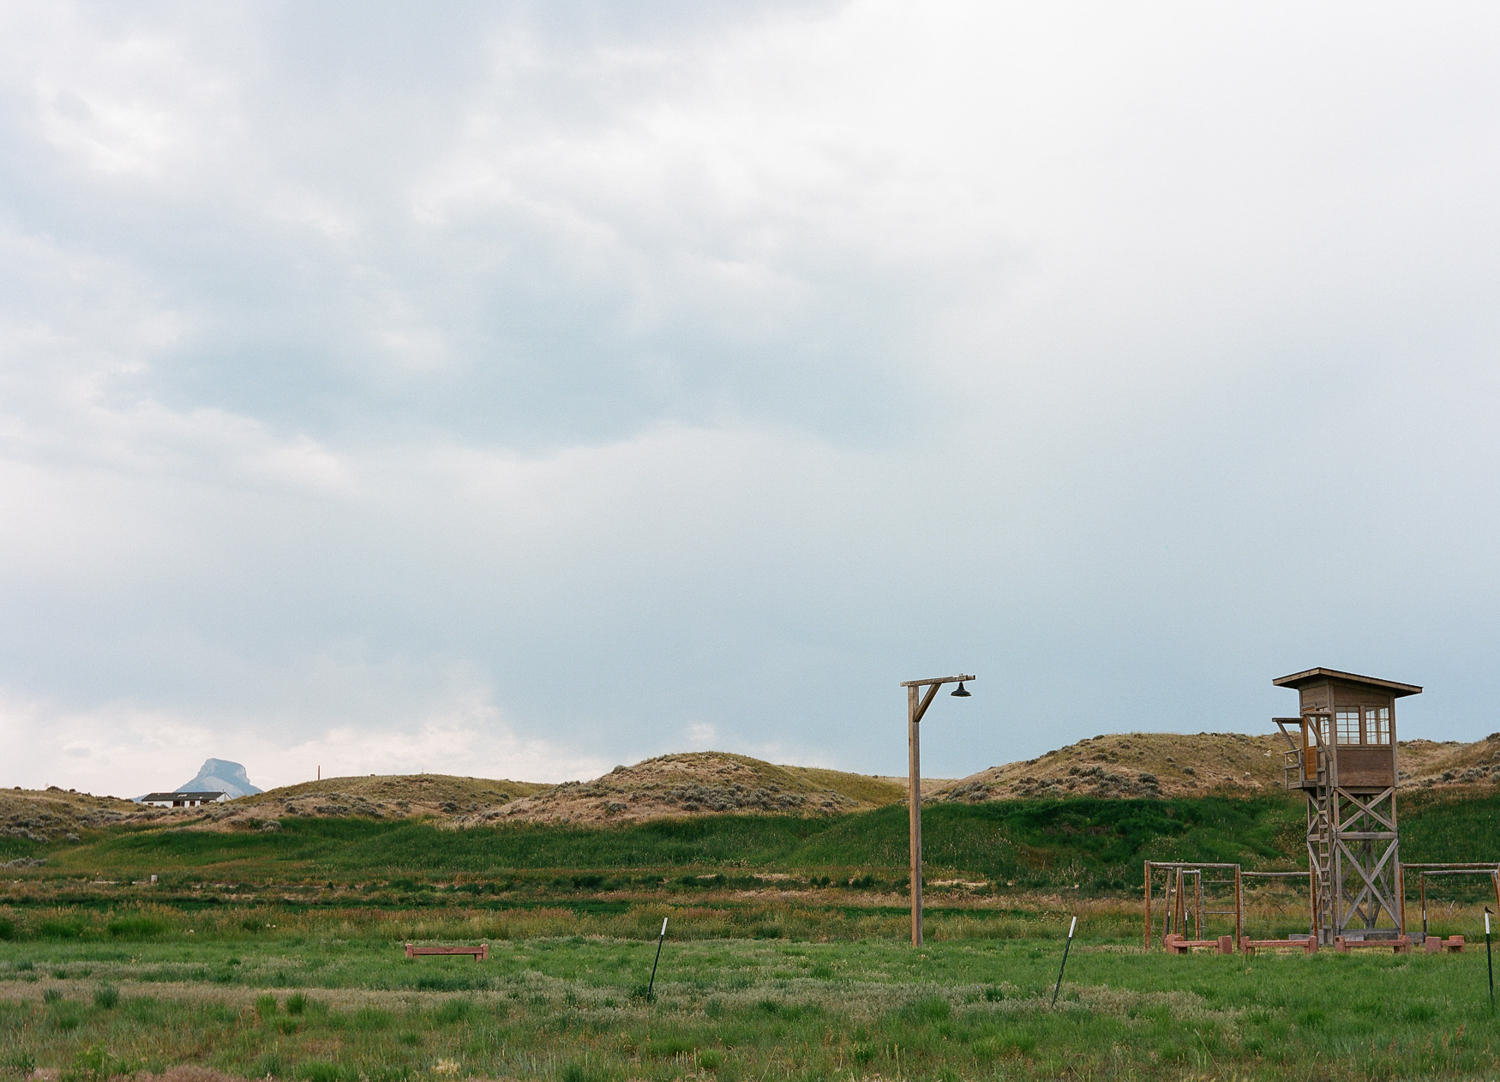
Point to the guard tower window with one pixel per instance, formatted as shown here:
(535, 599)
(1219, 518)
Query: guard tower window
(1348, 726)
(1363, 725)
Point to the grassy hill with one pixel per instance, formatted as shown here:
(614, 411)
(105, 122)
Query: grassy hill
(1094, 843)
(698, 783)
(695, 783)
(1079, 815)
(1118, 766)
(31, 818)
(1178, 764)
(379, 796)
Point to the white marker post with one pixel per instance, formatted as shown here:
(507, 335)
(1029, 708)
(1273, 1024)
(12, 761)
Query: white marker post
(1066, 947)
(660, 940)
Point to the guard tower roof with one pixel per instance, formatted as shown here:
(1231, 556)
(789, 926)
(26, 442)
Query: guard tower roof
(1301, 680)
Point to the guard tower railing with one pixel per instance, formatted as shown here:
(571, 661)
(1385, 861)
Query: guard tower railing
(1305, 762)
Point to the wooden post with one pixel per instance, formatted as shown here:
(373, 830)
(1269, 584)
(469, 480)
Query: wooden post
(914, 801)
(916, 705)
(1148, 906)
(1239, 909)
(1312, 894)
(1167, 906)
(1401, 893)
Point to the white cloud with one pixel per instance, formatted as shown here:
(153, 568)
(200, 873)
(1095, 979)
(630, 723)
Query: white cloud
(477, 376)
(119, 100)
(127, 751)
(700, 736)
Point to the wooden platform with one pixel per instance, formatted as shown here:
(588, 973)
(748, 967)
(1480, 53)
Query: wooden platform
(1177, 944)
(1306, 946)
(481, 953)
(1399, 945)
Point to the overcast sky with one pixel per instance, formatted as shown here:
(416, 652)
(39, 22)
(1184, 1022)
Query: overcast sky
(520, 389)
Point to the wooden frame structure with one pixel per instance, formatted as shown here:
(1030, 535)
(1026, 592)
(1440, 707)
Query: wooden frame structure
(917, 702)
(1178, 912)
(1425, 870)
(1342, 756)
(1185, 912)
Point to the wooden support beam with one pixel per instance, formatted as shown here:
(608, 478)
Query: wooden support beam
(914, 809)
(916, 706)
(1147, 943)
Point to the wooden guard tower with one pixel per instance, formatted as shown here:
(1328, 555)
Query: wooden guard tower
(1343, 758)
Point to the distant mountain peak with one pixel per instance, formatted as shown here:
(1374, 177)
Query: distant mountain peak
(222, 776)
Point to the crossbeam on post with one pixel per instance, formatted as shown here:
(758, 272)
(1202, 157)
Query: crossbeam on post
(917, 702)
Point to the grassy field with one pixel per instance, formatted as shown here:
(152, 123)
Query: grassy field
(279, 952)
(330, 997)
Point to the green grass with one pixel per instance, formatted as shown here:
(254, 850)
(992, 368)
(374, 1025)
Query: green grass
(13, 846)
(83, 931)
(280, 953)
(1437, 826)
(1097, 844)
(329, 1003)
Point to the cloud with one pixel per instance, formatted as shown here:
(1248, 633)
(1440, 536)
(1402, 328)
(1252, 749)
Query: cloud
(644, 378)
(126, 751)
(699, 736)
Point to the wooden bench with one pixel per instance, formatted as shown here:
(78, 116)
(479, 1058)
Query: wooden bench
(1177, 944)
(481, 953)
(1399, 945)
(1306, 946)
(1435, 944)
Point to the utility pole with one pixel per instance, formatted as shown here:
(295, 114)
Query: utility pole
(917, 702)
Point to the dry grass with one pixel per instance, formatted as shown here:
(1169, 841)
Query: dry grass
(378, 796)
(45, 815)
(1172, 764)
(697, 783)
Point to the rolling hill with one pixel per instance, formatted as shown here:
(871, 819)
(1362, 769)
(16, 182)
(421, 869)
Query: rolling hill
(1124, 765)
(1175, 764)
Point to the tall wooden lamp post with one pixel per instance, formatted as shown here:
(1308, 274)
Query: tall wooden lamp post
(917, 702)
